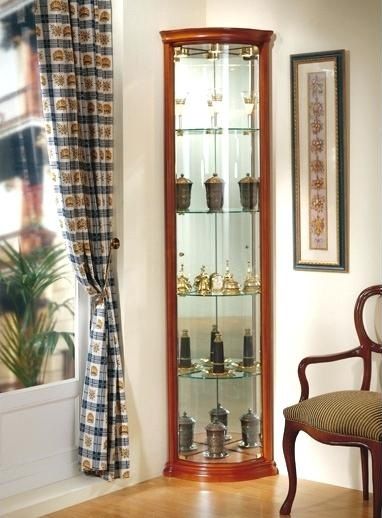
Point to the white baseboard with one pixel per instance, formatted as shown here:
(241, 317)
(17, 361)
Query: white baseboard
(51, 498)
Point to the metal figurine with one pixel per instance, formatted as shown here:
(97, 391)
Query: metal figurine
(250, 430)
(216, 283)
(202, 282)
(215, 441)
(185, 351)
(251, 282)
(214, 193)
(183, 284)
(258, 283)
(214, 332)
(227, 274)
(180, 104)
(221, 414)
(230, 286)
(248, 357)
(186, 433)
(218, 355)
(183, 193)
(249, 188)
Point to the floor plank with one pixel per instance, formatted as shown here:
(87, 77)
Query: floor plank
(173, 498)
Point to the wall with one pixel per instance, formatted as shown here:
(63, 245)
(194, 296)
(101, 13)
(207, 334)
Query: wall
(313, 311)
(140, 216)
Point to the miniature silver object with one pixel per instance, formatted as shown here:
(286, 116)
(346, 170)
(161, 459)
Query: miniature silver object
(214, 332)
(183, 284)
(249, 187)
(202, 282)
(215, 441)
(218, 355)
(221, 414)
(230, 286)
(248, 358)
(216, 283)
(251, 282)
(214, 193)
(183, 193)
(186, 433)
(185, 350)
(250, 430)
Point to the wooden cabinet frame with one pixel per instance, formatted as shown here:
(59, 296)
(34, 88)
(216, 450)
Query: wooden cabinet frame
(265, 465)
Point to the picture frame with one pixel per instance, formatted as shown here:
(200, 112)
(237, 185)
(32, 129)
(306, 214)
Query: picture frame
(318, 160)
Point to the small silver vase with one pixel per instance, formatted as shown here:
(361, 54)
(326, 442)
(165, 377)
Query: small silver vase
(250, 430)
(215, 441)
(249, 188)
(186, 433)
(214, 193)
(183, 193)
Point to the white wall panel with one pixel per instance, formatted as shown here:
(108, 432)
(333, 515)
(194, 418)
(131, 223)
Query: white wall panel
(314, 310)
(38, 431)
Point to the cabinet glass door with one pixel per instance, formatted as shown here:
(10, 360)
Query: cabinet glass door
(218, 257)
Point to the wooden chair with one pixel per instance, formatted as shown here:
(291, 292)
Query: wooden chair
(344, 418)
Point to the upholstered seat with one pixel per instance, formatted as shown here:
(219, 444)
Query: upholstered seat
(344, 418)
(349, 412)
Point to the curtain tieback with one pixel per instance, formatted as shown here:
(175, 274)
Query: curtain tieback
(101, 297)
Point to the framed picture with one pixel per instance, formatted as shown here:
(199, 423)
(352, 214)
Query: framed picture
(318, 160)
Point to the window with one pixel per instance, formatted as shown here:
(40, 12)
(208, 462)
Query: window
(36, 325)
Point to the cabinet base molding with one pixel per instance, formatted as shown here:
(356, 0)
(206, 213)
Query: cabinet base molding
(221, 472)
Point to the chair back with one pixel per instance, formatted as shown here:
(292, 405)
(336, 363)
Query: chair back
(367, 345)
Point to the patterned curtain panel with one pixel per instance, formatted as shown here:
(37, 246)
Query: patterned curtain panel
(75, 53)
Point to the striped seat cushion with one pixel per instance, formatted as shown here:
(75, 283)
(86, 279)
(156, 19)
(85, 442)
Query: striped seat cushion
(349, 412)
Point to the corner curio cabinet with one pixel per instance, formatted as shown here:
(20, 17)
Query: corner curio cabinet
(218, 253)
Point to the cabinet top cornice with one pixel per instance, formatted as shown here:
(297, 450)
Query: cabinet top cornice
(216, 34)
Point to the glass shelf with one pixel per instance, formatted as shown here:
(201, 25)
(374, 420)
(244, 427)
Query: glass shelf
(204, 376)
(215, 131)
(224, 211)
(201, 368)
(217, 295)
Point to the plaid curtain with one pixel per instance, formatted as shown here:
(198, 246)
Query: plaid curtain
(74, 42)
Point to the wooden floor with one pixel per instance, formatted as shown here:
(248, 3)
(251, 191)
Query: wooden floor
(172, 498)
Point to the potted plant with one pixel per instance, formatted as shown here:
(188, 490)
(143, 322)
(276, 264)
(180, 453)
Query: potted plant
(27, 332)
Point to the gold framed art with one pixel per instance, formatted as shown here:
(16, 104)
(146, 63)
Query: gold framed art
(318, 160)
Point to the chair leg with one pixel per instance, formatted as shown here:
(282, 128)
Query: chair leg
(289, 440)
(365, 472)
(376, 460)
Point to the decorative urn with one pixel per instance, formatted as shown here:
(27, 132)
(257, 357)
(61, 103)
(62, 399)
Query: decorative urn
(214, 193)
(215, 440)
(183, 193)
(250, 430)
(249, 188)
(186, 432)
(221, 414)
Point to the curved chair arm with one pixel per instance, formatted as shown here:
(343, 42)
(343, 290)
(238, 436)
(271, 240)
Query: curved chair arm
(320, 359)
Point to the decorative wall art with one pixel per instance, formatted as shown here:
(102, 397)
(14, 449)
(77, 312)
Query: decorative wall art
(318, 155)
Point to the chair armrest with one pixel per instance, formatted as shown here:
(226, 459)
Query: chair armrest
(320, 359)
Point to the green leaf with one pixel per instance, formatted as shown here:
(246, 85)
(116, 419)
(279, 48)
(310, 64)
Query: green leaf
(27, 336)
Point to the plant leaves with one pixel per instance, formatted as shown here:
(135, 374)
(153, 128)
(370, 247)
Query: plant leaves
(27, 336)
